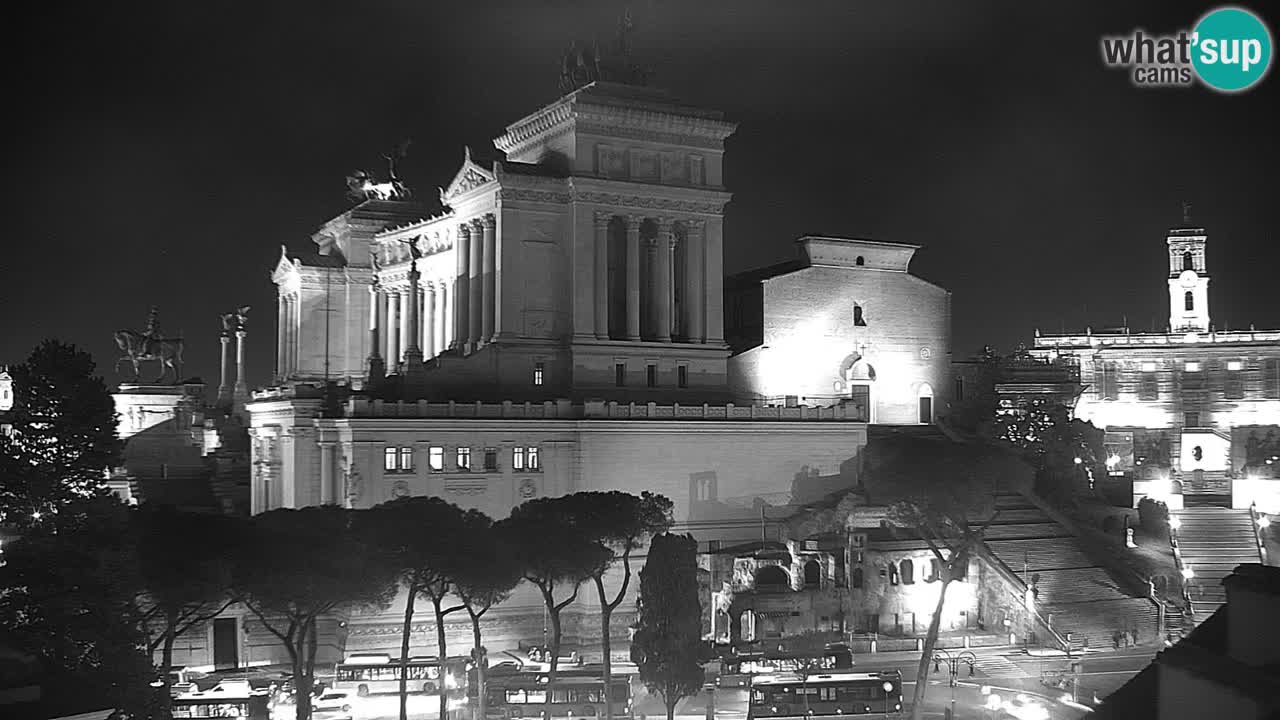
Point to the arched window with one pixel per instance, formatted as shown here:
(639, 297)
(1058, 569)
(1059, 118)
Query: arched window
(935, 570)
(924, 400)
(859, 261)
(771, 577)
(893, 574)
(855, 580)
(858, 319)
(812, 574)
(1188, 262)
(1189, 301)
(908, 572)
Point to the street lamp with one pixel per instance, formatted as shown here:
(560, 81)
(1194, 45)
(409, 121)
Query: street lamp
(1175, 522)
(953, 667)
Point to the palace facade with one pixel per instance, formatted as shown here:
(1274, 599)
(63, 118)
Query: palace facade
(1192, 414)
(559, 327)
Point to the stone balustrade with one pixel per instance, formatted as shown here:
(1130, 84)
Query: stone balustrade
(591, 410)
(1045, 342)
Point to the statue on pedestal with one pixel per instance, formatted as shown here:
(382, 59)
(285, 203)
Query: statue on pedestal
(150, 345)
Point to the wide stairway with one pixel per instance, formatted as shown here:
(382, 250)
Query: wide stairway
(1212, 542)
(1076, 594)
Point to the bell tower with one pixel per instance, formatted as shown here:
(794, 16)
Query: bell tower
(1188, 277)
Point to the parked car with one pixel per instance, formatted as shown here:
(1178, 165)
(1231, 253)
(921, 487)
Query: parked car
(334, 705)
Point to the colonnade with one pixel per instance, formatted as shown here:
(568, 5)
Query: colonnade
(651, 285)
(394, 310)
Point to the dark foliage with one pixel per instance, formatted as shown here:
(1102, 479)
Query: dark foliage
(668, 638)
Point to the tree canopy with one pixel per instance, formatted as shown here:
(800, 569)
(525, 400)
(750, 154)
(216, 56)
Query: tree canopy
(669, 634)
(63, 437)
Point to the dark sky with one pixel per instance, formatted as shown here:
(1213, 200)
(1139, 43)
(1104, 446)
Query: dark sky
(160, 152)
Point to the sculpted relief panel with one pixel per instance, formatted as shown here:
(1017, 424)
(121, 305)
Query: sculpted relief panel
(674, 168)
(610, 162)
(644, 165)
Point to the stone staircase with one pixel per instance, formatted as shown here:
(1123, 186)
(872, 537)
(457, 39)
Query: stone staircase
(1076, 594)
(1212, 541)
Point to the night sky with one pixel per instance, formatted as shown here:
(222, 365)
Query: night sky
(160, 153)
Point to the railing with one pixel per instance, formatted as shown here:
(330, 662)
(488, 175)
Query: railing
(1012, 578)
(592, 409)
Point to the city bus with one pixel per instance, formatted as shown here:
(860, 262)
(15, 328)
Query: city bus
(226, 705)
(573, 694)
(379, 674)
(738, 670)
(793, 696)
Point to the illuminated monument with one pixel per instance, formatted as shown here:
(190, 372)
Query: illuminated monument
(559, 326)
(1192, 413)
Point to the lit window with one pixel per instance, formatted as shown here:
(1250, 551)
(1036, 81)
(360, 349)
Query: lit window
(406, 459)
(651, 375)
(682, 376)
(389, 459)
(1192, 366)
(435, 458)
(537, 373)
(1148, 367)
(464, 458)
(1235, 365)
(490, 459)
(524, 459)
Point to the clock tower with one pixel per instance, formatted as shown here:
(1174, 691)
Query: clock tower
(1188, 278)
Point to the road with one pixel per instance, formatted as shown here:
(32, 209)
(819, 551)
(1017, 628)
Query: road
(1007, 674)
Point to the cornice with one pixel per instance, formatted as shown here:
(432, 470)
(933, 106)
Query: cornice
(539, 196)
(650, 202)
(527, 129)
(607, 132)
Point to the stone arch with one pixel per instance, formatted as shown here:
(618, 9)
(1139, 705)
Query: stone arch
(812, 574)
(772, 577)
(859, 319)
(1188, 261)
(860, 261)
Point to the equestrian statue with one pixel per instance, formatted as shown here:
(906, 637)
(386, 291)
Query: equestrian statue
(150, 346)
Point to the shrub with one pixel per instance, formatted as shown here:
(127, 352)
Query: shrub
(1153, 515)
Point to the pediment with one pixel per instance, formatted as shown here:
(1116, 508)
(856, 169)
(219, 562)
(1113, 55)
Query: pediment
(285, 267)
(469, 177)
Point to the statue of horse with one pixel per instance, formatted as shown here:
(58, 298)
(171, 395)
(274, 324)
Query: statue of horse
(138, 348)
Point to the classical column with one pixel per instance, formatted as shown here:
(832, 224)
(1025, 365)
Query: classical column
(713, 272)
(412, 320)
(241, 392)
(475, 282)
(282, 339)
(633, 276)
(444, 328)
(294, 317)
(602, 275)
(489, 224)
(393, 329)
(405, 321)
(377, 370)
(224, 390)
(664, 245)
(462, 288)
(694, 288)
(328, 496)
(429, 344)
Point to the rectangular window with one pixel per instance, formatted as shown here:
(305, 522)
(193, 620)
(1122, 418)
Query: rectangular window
(651, 375)
(406, 459)
(1192, 366)
(1148, 386)
(1110, 384)
(389, 459)
(682, 376)
(537, 373)
(620, 374)
(517, 458)
(532, 460)
(464, 458)
(1233, 385)
(1148, 367)
(1271, 378)
(435, 458)
(957, 391)
(1191, 419)
(490, 459)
